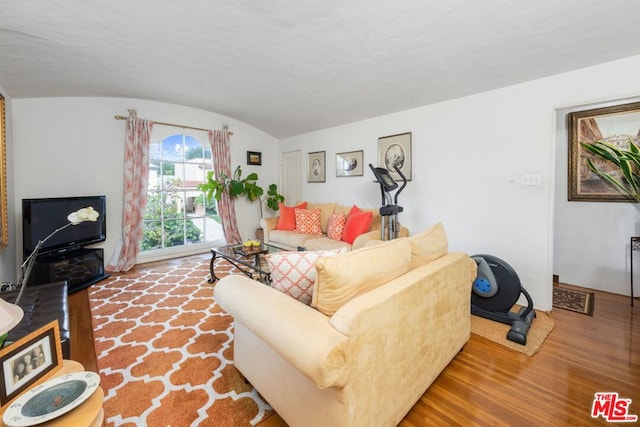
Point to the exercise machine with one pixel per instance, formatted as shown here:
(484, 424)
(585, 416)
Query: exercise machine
(390, 209)
(495, 290)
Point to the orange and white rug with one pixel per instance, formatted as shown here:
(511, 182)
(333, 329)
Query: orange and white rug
(165, 350)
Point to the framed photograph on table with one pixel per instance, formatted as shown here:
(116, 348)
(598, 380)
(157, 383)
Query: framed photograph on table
(395, 150)
(29, 361)
(349, 163)
(316, 169)
(616, 125)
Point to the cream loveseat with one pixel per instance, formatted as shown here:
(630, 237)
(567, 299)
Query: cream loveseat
(291, 240)
(388, 318)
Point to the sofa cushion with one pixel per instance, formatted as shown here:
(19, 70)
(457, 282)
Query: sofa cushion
(294, 273)
(308, 221)
(335, 228)
(355, 225)
(323, 242)
(291, 239)
(345, 276)
(428, 245)
(287, 218)
(326, 211)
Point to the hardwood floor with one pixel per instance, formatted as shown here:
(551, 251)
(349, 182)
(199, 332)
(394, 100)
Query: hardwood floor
(490, 385)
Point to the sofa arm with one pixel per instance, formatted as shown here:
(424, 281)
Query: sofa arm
(298, 333)
(362, 240)
(268, 224)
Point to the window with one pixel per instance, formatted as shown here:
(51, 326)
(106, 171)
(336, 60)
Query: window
(178, 218)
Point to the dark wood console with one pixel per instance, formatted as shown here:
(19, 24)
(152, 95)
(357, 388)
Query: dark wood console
(80, 268)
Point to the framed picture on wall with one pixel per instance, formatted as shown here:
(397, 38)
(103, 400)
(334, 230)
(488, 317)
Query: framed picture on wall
(254, 158)
(616, 125)
(349, 163)
(395, 150)
(316, 168)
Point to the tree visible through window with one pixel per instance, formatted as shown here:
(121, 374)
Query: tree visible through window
(177, 213)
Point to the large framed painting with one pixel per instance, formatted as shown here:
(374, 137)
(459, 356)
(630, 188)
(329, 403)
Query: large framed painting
(616, 125)
(395, 150)
(4, 221)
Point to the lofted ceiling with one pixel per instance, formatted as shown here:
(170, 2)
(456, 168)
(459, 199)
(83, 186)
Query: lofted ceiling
(290, 67)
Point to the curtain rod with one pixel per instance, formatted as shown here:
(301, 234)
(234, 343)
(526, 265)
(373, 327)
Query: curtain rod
(119, 117)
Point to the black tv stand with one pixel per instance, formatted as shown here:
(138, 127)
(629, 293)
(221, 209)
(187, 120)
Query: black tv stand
(80, 268)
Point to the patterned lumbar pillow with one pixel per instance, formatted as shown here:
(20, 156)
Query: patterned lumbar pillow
(294, 273)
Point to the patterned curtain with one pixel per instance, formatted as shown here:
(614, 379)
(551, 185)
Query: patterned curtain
(222, 165)
(136, 172)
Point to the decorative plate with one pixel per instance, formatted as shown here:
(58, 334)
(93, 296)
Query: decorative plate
(51, 399)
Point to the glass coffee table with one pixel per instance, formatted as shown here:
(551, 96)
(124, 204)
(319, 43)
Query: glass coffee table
(250, 262)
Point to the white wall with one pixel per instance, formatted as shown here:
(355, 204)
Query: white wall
(74, 146)
(8, 253)
(468, 155)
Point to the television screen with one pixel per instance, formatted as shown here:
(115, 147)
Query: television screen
(41, 217)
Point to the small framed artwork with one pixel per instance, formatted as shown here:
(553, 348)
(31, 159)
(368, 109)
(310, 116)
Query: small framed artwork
(616, 125)
(254, 158)
(316, 170)
(395, 151)
(29, 361)
(349, 163)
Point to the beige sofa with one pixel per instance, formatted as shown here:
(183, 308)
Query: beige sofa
(291, 240)
(363, 356)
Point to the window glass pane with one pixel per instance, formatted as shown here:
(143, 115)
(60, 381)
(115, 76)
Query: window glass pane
(195, 230)
(152, 237)
(174, 232)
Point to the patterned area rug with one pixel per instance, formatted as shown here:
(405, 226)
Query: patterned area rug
(574, 300)
(165, 350)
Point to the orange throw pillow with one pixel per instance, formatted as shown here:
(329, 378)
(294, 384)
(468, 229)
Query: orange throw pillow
(356, 225)
(287, 218)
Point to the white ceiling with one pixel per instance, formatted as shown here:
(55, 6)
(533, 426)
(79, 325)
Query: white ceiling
(290, 67)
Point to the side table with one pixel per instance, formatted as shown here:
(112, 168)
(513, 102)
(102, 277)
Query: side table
(634, 246)
(89, 413)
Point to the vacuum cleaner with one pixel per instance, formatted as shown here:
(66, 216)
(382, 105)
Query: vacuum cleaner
(495, 290)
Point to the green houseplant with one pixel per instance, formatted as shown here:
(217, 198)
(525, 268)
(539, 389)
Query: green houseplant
(627, 162)
(237, 186)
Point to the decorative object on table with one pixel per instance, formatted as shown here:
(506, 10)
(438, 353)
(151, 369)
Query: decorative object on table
(74, 218)
(574, 300)
(29, 361)
(4, 215)
(395, 150)
(51, 399)
(601, 144)
(254, 158)
(316, 169)
(250, 247)
(238, 186)
(349, 163)
(10, 316)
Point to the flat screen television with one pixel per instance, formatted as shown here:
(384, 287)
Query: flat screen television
(40, 217)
